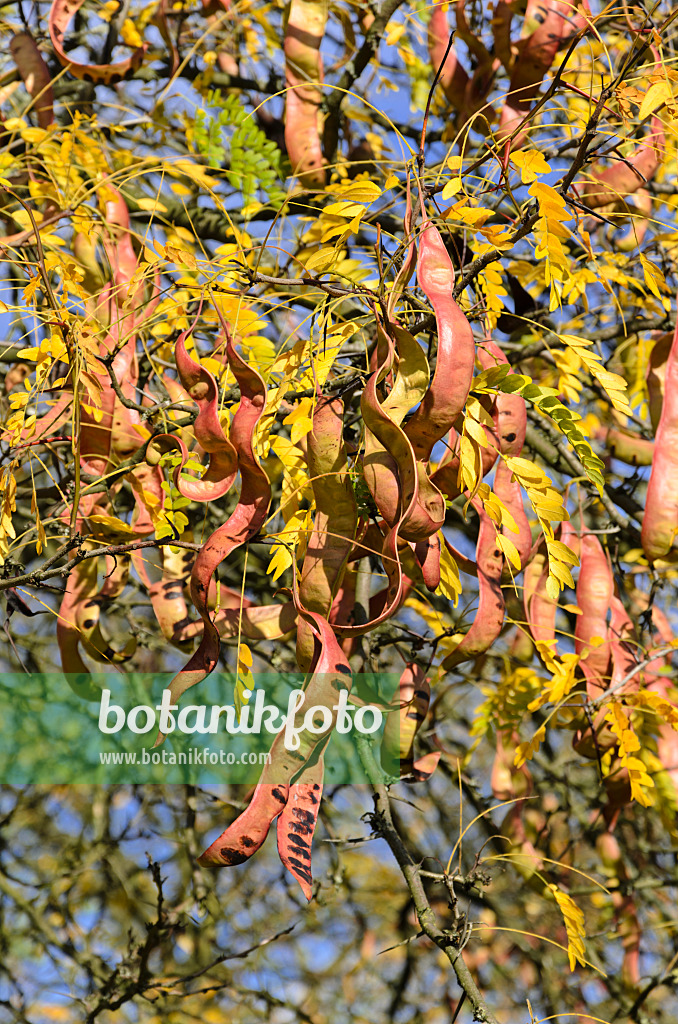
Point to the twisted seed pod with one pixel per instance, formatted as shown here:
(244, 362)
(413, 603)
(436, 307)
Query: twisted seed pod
(331, 674)
(335, 520)
(660, 520)
(304, 31)
(88, 612)
(223, 465)
(448, 391)
(60, 15)
(244, 522)
(381, 461)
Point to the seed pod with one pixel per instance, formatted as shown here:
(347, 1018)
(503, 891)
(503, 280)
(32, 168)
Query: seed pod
(249, 830)
(549, 25)
(223, 466)
(489, 617)
(297, 823)
(540, 609)
(625, 177)
(453, 77)
(60, 15)
(448, 391)
(397, 747)
(244, 522)
(595, 588)
(660, 520)
(446, 474)
(331, 674)
(35, 75)
(510, 417)
(335, 521)
(626, 446)
(656, 375)
(304, 31)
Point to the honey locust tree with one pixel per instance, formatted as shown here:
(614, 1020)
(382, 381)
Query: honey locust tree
(339, 340)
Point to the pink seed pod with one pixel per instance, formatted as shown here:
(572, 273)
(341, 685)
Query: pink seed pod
(60, 16)
(660, 520)
(304, 31)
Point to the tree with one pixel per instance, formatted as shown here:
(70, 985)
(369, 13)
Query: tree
(340, 339)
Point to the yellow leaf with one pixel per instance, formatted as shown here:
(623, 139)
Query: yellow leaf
(111, 525)
(362, 192)
(658, 93)
(450, 585)
(321, 260)
(452, 187)
(530, 163)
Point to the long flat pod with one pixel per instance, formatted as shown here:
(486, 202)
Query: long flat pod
(414, 695)
(304, 31)
(489, 617)
(595, 588)
(298, 820)
(448, 391)
(660, 520)
(35, 75)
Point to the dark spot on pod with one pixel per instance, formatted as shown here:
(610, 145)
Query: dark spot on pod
(302, 830)
(110, 653)
(302, 869)
(313, 798)
(344, 669)
(303, 815)
(316, 786)
(88, 623)
(510, 437)
(422, 694)
(416, 716)
(296, 755)
(230, 856)
(86, 77)
(279, 795)
(247, 842)
(298, 841)
(182, 622)
(304, 854)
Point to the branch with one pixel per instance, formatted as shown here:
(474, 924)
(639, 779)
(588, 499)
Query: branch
(352, 73)
(384, 826)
